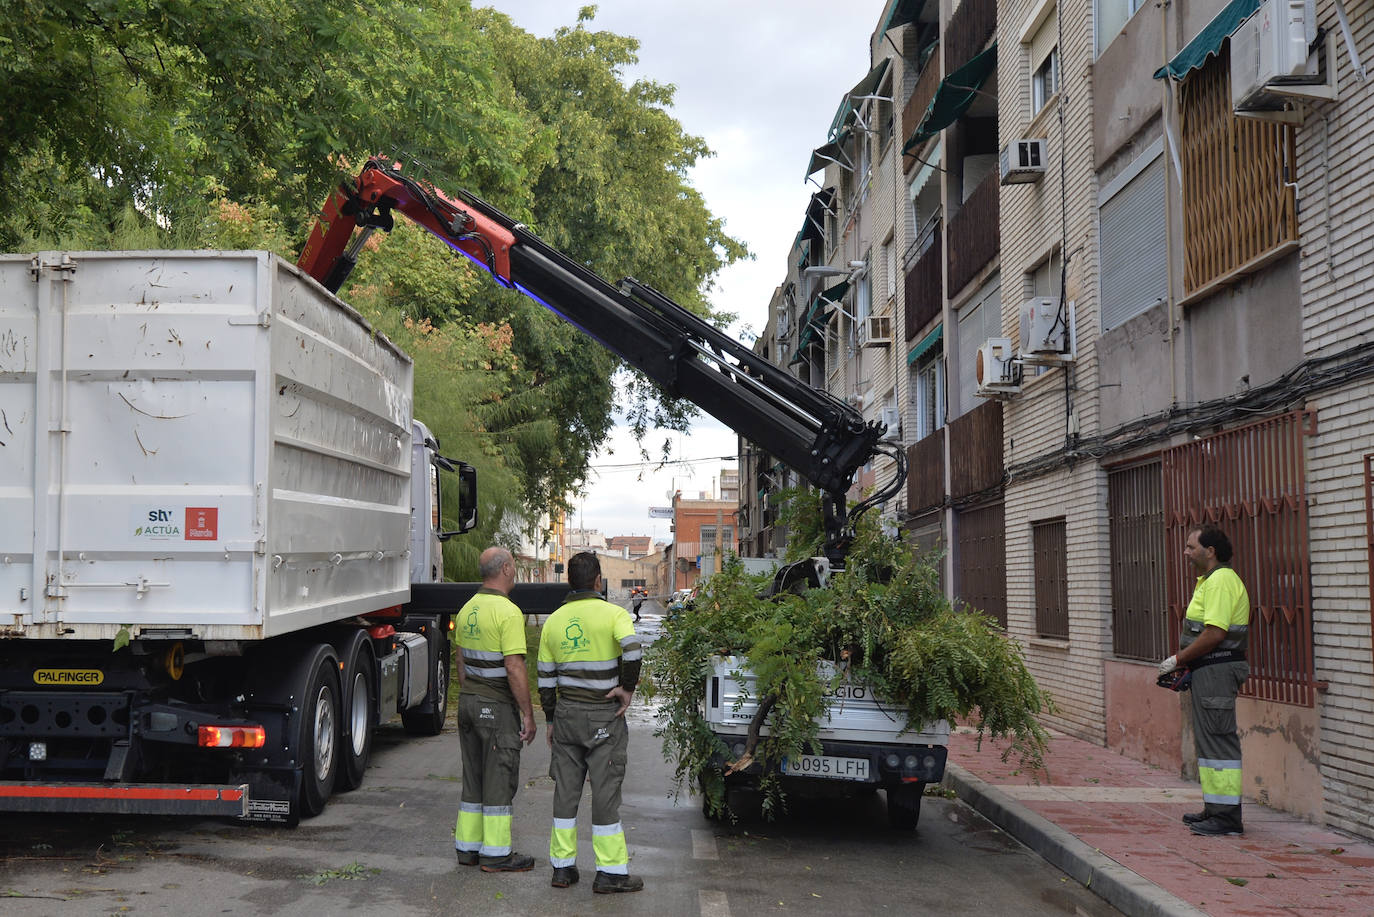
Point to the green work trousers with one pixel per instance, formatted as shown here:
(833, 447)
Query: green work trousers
(589, 741)
(489, 738)
(1214, 689)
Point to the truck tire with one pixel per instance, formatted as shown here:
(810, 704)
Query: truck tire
(904, 805)
(319, 731)
(428, 718)
(359, 719)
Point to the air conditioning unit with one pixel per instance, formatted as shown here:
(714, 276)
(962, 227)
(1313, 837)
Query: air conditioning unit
(876, 331)
(998, 370)
(1272, 50)
(1023, 161)
(1048, 334)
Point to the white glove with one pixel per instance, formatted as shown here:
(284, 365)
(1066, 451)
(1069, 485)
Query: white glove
(1168, 665)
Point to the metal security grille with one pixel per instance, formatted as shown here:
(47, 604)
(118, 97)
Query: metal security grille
(981, 557)
(1135, 505)
(1238, 198)
(1049, 543)
(1251, 482)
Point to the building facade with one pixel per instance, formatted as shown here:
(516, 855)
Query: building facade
(1124, 292)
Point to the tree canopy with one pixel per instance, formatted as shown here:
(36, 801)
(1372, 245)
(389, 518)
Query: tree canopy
(225, 123)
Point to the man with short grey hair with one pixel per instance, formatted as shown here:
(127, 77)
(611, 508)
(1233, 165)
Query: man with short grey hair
(495, 715)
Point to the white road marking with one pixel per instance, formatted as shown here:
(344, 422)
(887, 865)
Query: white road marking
(704, 845)
(713, 904)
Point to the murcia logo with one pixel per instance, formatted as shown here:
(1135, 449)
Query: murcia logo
(473, 629)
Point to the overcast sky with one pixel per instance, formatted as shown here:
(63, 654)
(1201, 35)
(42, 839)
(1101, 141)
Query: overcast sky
(759, 80)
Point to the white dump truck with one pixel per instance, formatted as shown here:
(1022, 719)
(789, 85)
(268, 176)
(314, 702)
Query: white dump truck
(214, 500)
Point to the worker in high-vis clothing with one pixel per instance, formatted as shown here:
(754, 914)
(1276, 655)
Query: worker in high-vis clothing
(495, 715)
(589, 661)
(1212, 647)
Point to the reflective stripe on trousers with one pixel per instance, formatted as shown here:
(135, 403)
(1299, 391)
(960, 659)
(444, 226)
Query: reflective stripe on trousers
(489, 740)
(589, 741)
(1218, 742)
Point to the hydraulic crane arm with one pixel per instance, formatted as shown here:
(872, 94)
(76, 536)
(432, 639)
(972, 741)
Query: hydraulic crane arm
(820, 437)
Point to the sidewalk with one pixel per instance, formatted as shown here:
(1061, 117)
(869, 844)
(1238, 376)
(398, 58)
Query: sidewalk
(1112, 824)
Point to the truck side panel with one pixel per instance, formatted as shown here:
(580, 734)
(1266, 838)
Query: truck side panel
(220, 449)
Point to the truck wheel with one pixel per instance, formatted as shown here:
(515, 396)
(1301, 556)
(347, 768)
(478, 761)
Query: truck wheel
(904, 805)
(428, 718)
(359, 719)
(319, 747)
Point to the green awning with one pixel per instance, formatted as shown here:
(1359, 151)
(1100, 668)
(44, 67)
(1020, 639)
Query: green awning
(955, 95)
(844, 115)
(927, 342)
(816, 317)
(830, 152)
(805, 259)
(899, 13)
(1208, 41)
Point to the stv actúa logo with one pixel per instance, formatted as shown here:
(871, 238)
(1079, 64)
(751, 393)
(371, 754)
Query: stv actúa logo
(159, 524)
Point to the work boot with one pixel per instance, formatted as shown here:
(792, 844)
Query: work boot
(467, 857)
(1192, 818)
(1216, 826)
(563, 876)
(511, 862)
(607, 883)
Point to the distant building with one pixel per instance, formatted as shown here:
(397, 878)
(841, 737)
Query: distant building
(704, 532)
(630, 545)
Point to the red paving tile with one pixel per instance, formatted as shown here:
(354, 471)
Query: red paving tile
(1282, 866)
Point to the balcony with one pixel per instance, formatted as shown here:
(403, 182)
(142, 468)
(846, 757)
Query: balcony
(924, 291)
(974, 234)
(968, 31)
(925, 482)
(976, 438)
(921, 96)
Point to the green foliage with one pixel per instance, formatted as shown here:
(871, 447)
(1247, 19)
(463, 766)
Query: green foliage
(143, 124)
(883, 617)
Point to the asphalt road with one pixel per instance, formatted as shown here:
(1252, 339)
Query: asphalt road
(387, 848)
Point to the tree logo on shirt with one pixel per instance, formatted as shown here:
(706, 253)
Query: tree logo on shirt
(573, 635)
(473, 629)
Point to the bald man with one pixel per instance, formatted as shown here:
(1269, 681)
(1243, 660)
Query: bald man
(495, 716)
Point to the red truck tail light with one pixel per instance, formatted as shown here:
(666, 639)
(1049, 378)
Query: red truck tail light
(232, 737)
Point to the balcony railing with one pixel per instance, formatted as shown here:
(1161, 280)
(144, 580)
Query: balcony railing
(976, 437)
(924, 292)
(968, 31)
(925, 482)
(974, 234)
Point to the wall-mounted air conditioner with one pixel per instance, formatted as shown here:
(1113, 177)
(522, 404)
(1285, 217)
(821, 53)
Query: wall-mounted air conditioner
(998, 370)
(1047, 331)
(1023, 161)
(1272, 56)
(876, 331)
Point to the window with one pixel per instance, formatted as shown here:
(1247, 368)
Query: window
(1049, 544)
(1134, 270)
(928, 392)
(708, 538)
(1041, 41)
(1044, 280)
(888, 265)
(979, 319)
(1135, 512)
(1238, 203)
(1111, 16)
(833, 360)
(863, 291)
(884, 119)
(1045, 83)
(923, 215)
